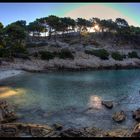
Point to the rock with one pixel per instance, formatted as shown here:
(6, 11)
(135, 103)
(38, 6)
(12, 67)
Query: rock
(71, 132)
(7, 130)
(119, 116)
(107, 104)
(7, 113)
(117, 133)
(57, 126)
(39, 131)
(24, 130)
(82, 132)
(92, 132)
(136, 131)
(136, 115)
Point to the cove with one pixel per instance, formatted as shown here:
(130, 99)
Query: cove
(74, 98)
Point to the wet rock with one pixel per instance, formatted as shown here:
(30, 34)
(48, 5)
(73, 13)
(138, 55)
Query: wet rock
(57, 126)
(39, 131)
(82, 132)
(119, 116)
(71, 132)
(7, 130)
(25, 130)
(136, 115)
(117, 133)
(92, 132)
(7, 113)
(107, 104)
(136, 131)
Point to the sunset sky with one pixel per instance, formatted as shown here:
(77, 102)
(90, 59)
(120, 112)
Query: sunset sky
(10, 12)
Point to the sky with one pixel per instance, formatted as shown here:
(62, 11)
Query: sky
(11, 12)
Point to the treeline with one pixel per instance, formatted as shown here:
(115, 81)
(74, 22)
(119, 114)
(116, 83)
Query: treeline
(13, 37)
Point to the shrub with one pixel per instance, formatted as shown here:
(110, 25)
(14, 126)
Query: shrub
(117, 56)
(55, 45)
(102, 53)
(4, 52)
(89, 52)
(32, 45)
(45, 55)
(95, 43)
(73, 42)
(65, 53)
(19, 49)
(133, 54)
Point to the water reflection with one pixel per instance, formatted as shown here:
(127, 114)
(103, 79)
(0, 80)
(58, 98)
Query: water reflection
(8, 92)
(95, 102)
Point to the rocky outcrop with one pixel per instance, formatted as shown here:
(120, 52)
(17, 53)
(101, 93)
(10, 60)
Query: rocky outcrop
(136, 114)
(119, 116)
(82, 132)
(22, 130)
(7, 113)
(107, 104)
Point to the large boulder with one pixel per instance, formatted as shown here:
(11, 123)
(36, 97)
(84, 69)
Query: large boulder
(136, 114)
(107, 104)
(7, 113)
(119, 116)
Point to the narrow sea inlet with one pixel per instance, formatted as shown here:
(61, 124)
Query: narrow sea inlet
(73, 99)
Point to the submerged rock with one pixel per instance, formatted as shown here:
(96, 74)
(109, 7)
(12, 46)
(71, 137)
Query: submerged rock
(7, 113)
(136, 115)
(119, 116)
(107, 104)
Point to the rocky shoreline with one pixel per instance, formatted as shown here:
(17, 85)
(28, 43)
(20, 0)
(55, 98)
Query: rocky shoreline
(81, 62)
(10, 128)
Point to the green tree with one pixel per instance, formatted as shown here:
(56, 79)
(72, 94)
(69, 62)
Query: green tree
(52, 21)
(15, 37)
(81, 25)
(1, 33)
(35, 28)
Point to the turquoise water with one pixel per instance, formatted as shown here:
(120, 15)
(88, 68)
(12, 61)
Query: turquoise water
(74, 98)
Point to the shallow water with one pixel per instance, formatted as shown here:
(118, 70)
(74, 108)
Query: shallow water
(74, 98)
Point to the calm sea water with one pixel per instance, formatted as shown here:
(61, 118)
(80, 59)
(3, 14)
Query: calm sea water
(74, 98)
